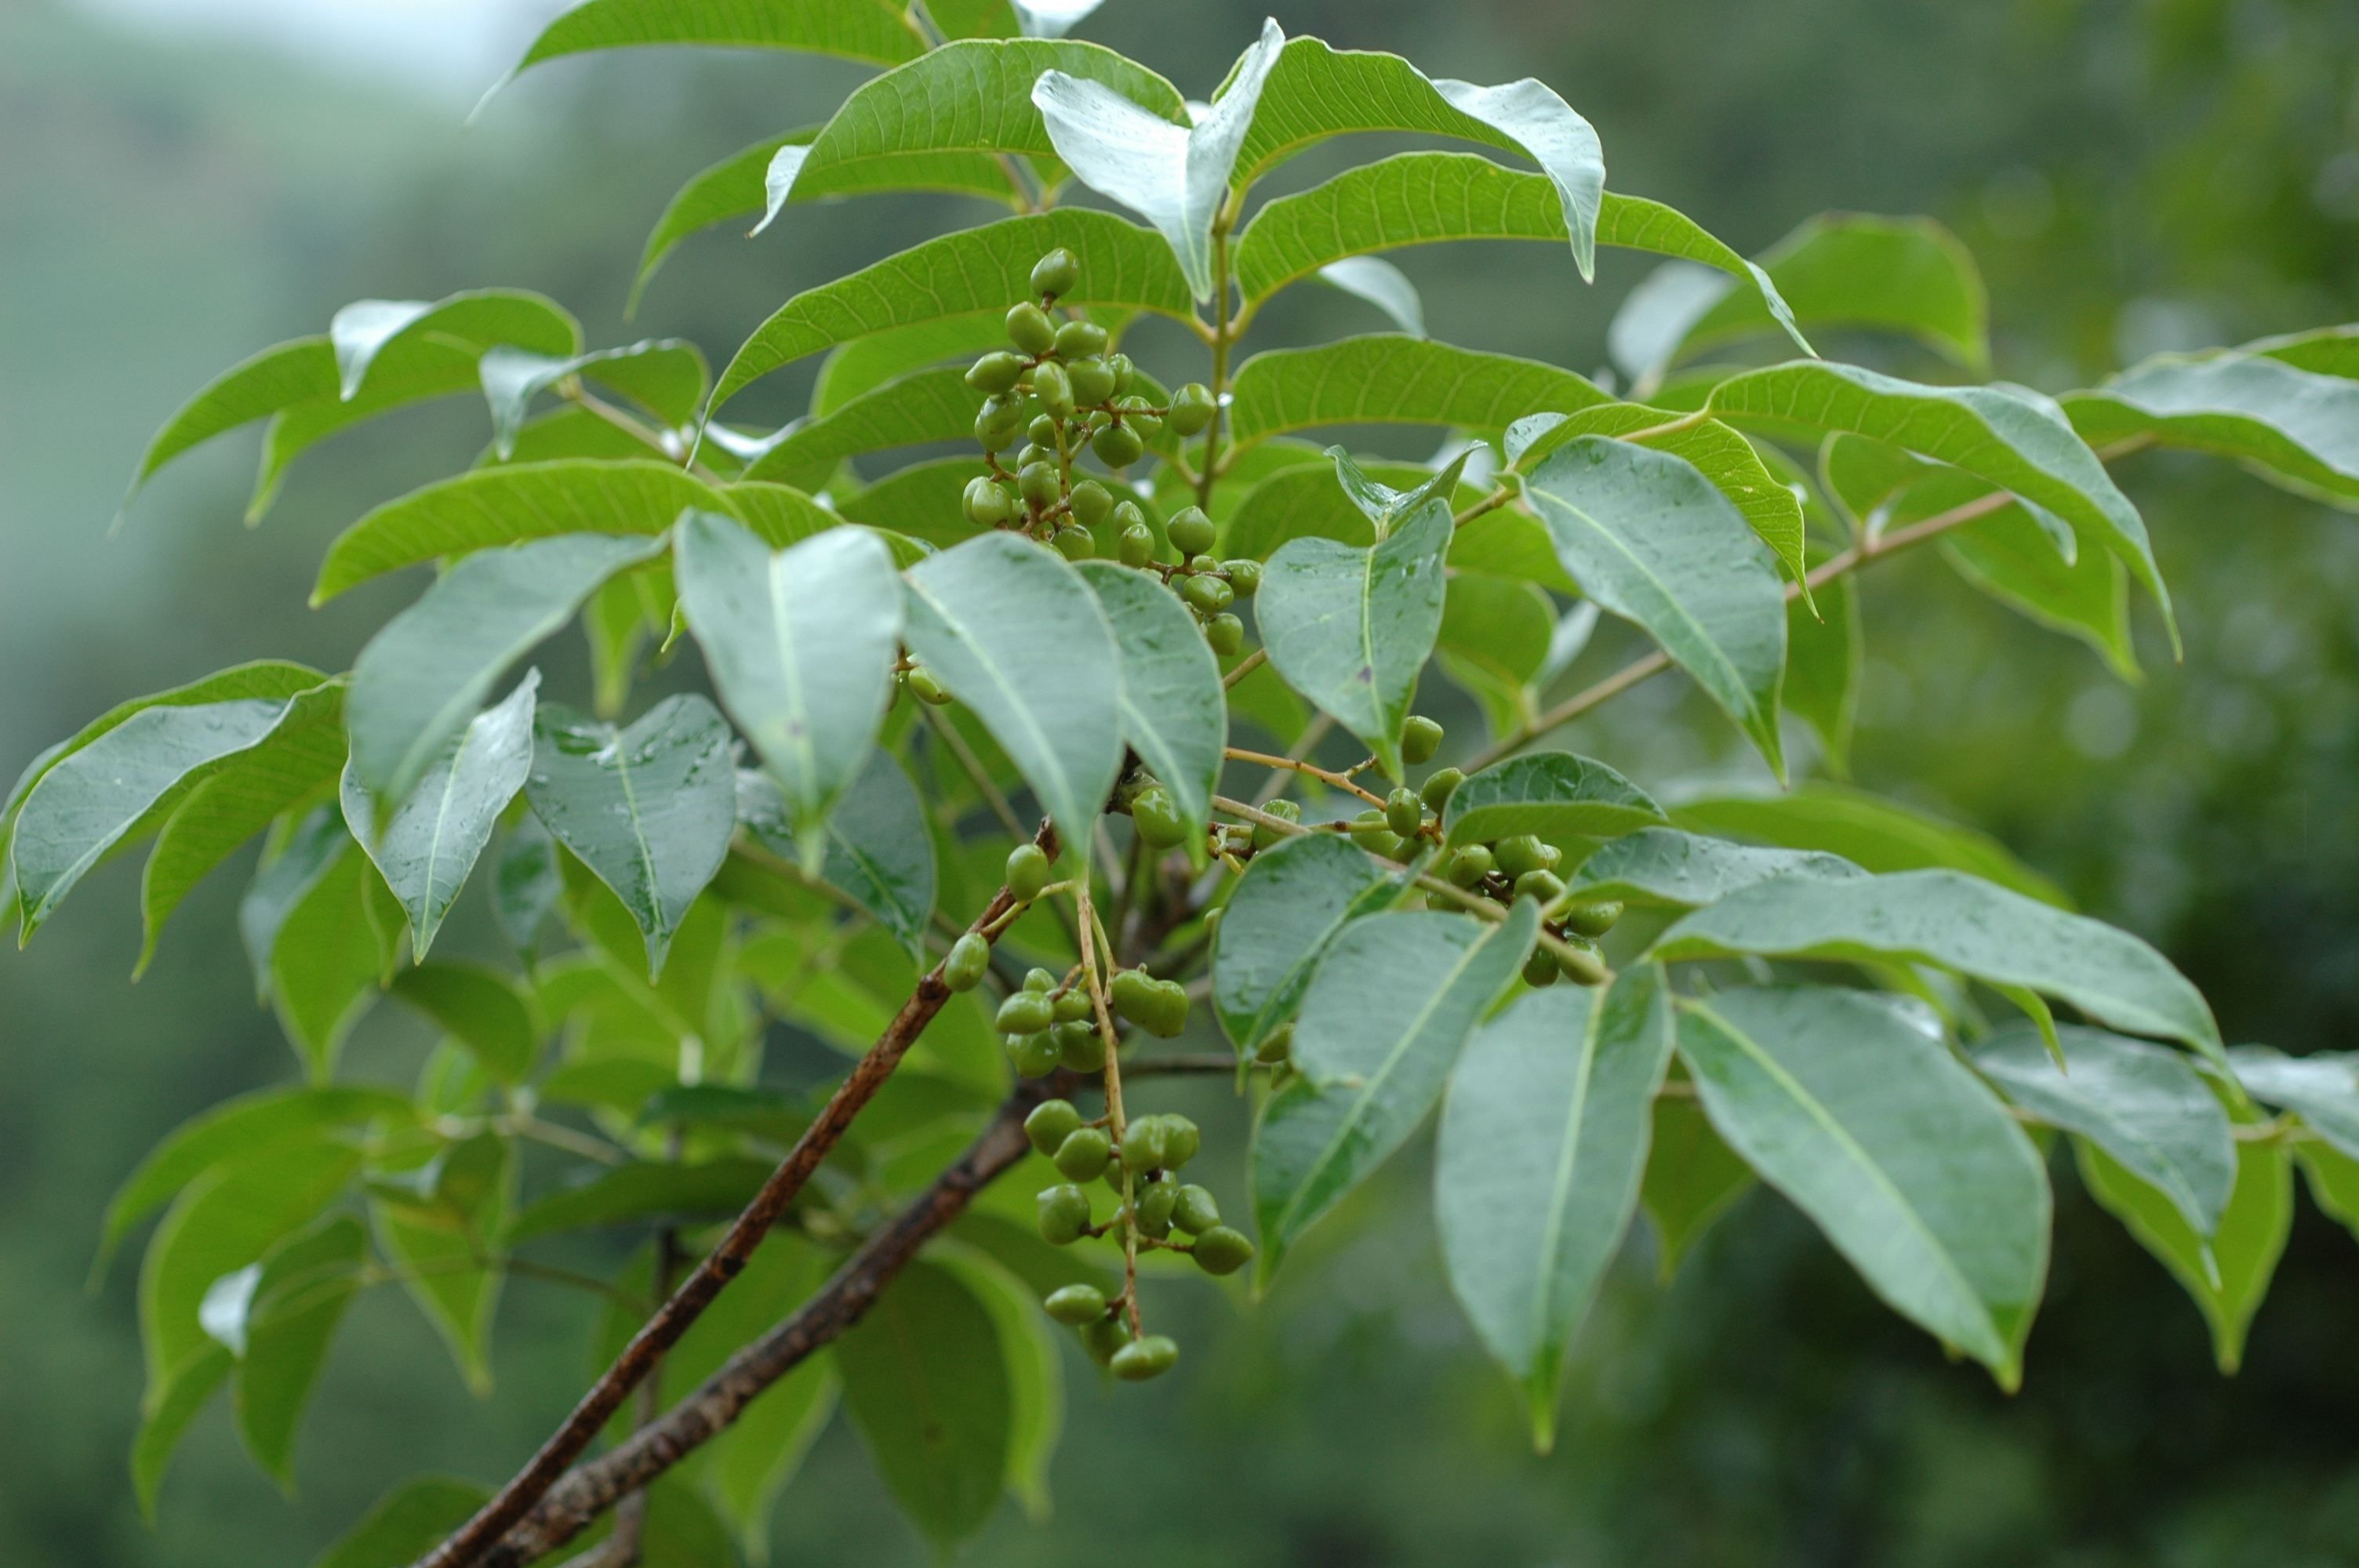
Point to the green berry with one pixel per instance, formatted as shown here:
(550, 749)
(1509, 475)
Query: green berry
(1191, 533)
(1042, 432)
(1090, 503)
(1080, 1047)
(986, 503)
(1029, 328)
(1038, 452)
(1225, 632)
(1117, 446)
(1037, 978)
(1594, 919)
(1056, 272)
(969, 955)
(921, 680)
(1439, 788)
(1181, 1138)
(1051, 1122)
(1372, 833)
(1054, 388)
(1028, 872)
(1026, 1012)
(1520, 853)
(1545, 887)
(1541, 969)
(1204, 564)
(1157, 816)
(997, 421)
(1064, 1211)
(1032, 1055)
(1072, 1006)
(1041, 483)
(1265, 836)
(1093, 382)
(1074, 543)
(1169, 1018)
(1420, 739)
(1156, 1201)
(1105, 1338)
(1124, 373)
(1221, 1250)
(1133, 997)
(1083, 1153)
(1404, 811)
(1209, 595)
(1144, 1143)
(1136, 545)
(1075, 1306)
(1195, 1213)
(995, 372)
(1576, 971)
(1149, 1357)
(1081, 340)
(1191, 408)
(1244, 576)
(1468, 866)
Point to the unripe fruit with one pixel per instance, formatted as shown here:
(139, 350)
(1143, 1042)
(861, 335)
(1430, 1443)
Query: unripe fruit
(1225, 633)
(1576, 971)
(1265, 836)
(1028, 872)
(1136, 545)
(1143, 1143)
(1156, 1201)
(1420, 739)
(1371, 832)
(1545, 887)
(969, 955)
(1083, 1154)
(1190, 532)
(986, 504)
(1056, 272)
(1150, 1356)
(1404, 811)
(1468, 866)
(1171, 1016)
(1117, 446)
(1105, 1338)
(1029, 328)
(1072, 1006)
(1074, 543)
(1051, 1122)
(1039, 451)
(1042, 432)
(997, 421)
(1439, 788)
(921, 681)
(1541, 968)
(1080, 1047)
(1091, 502)
(1041, 483)
(1191, 408)
(995, 372)
(1074, 1306)
(1054, 389)
(1204, 564)
(1209, 595)
(1195, 1212)
(1126, 514)
(1181, 1138)
(1244, 576)
(1040, 979)
(1519, 853)
(1133, 997)
(1026, 1012)
(1081, 340)
(1093, 382)
(1158, 817)
(1594, 919)
(1032, 1055)
(1124, 373)
(1064, 1213)
(1221, 1250)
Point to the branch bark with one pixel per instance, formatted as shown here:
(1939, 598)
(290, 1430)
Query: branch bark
(720, 1266)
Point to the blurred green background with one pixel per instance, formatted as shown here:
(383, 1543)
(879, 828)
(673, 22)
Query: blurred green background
(182, 183)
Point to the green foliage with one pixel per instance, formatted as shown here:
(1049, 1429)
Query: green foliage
(1048, 647)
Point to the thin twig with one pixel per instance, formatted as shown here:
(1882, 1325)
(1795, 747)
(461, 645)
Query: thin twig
(1245, 667)
(1324, 776)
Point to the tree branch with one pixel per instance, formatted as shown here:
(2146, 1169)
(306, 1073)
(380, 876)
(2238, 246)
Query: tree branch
(722, 1264)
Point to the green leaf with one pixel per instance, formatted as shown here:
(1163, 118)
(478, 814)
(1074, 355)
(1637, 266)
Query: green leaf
(2011, 439)
(1555, 795)
(1381, 285)
(642, 1192)
(1663, 866)
(2295, 427)
(927, 1387)
(734, 187)
(1176, 176)
(2334, 1181)
(1878, 834)
(922, 501)
(1692, 1178)
(649, 809)
(1315, 92)
(2322, 1088)
(165, 1416)
(1292, 899)
(1826, 663)
(298, 759)
(1543, 1142)
(1493, 642)
(481, 1008)
(527, 882)
(419, 683)
(326, 956)
(925, 407)
(1036, 1373)
(874, 32)
(1652, 540)
(1395, 998)
(443, 1263)
(292, 1308)
(426, 847)
(1387, 378)
(2228, 1275)
(863, 365)
(405, 1524)
(879, 850)
(1013, 633)
(971, 274)
(1910, 1165)
(1959, 922)
(1350, 629)
(801, 644)
(2141, 1103)
(665, 375)
(1175, 713)
(296, 856)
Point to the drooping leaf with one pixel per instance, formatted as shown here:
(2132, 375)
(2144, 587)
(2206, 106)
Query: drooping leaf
(297, 1298)
(1036, 1374)
(2141, 1103)
(1652, 540)
(1394, 1000)
(528, 882)
(481, 1008)
(1878, 834)
(1685, 871)
(872, 32)
(879, 851)
(446, 1259)
(327, 955)
(1388, 379)
(1543, 1141)
(2296, 427)
(1910, 1165)
(293, 861)
(1555, 795)
(2322, 1088)
(1961, 923)
(419, 683)
(1692, 1177)
(1493, 642)
(1175, 714)
(1381, 285)
(928, 1390)
(2334, 1181)
(165, 1415)
(427, 845)
(644, 1191)
(1293, 899)
(973, 272)
(649, 809)
(667, 377)
(1013, 633)
(730, 188)
(405, 1524)
(1826, 663)
(801, 644)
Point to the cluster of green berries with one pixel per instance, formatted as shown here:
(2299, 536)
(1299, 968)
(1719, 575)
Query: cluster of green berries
(1206, 586)
(1522, 866)
(1047, 1025)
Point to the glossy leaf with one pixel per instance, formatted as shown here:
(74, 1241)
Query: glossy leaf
(730, 188)
(2296, 427)
(879, 849)
(1175, 713)
(1387, 378)
(1394, 1000)
(874, 32)
(1012, 633)
(1652, 540)
(1910, 1165)
(1289, 905)
(1664, 866)
(2322, 1088)
(667, 376)
(801, 644)
(481, 1008)
(1543, 1141)
(1381, 285)
(649, 809)
(1878, 834)
(1555, 795)
(419, 682)
(527, 882)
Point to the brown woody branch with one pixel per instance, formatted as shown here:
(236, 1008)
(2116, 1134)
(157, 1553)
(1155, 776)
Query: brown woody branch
(720, 1266)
